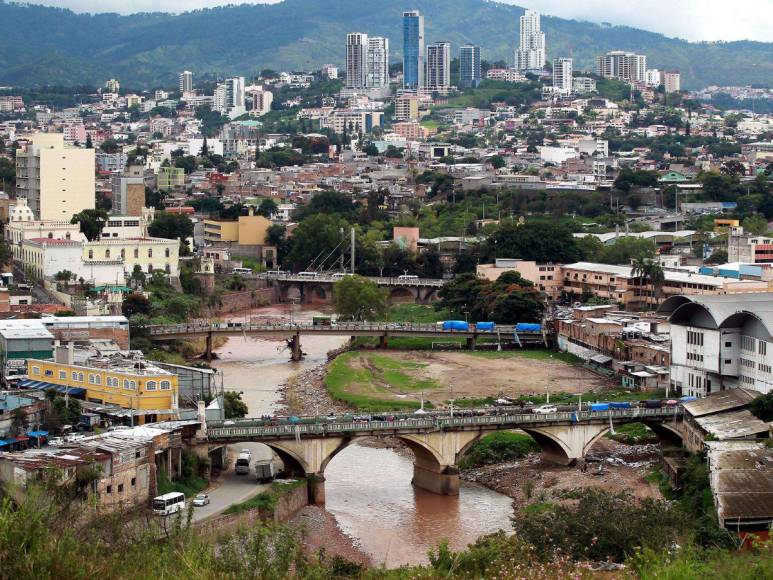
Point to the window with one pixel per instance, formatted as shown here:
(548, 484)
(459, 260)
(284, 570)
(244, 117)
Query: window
(49, 373)
(165, 385)
(728, 345)
(91, 254)
(95, 379)
(748, 343)
(167, 253)
(123, 253)
(150, 252)
(120, 488)
(107, 253)
(35, 370)
(80, 377)
(150, 386)
(136, 252)
(134, 482)
(109, 489)
(763, 347)
(150, 268)
(62, 375)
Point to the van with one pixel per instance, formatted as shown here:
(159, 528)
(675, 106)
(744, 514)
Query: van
(243, 462)
(242, 271)
(339, 275)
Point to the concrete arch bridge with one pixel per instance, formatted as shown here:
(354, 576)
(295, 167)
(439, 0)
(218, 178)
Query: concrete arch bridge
(438, 442)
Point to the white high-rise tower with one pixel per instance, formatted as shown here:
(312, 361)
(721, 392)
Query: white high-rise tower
(378, 62)
(356, 60)
(531, 53)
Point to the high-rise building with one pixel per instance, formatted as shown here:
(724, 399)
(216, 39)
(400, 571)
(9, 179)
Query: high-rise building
(652, 77)
(112, 86)
(186, 82)
(330, 71)
(469, 66)
(234, 92)
(562, 76)
(56, 180)
(438, 76)
(623, 66)
(261, 100)
(531, 54)
(356, 60)
(413, 50)
(377, 75)
(672, 82)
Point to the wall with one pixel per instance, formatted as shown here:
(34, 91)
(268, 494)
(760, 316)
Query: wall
(238, 301)
(67, 182)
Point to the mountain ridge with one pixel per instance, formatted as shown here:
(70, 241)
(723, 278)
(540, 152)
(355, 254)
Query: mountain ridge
(45, 45)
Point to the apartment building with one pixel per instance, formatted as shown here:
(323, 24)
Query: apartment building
(148, 392)
(407, 108)
(749, 248)
(57, 181)
(469, 66)
(546, 277)
(531, 54)
(438, 78)
(721, 342)
(619, 284)
(672, 82)
(562, 76)
(624, 66)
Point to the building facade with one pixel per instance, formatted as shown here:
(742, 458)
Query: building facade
(356, 60)
(56, 181)
(413, 50)
(672, 82)
(438, 77)
(186, 82)
(623, 66)
(470, 73)
(531, 54)
(562, 76)
(377, 73)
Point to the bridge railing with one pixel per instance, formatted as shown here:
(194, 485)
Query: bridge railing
(204, 326)
(218, 430)
(380, 280)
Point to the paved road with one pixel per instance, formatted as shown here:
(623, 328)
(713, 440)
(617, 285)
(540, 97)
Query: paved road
(234, 488)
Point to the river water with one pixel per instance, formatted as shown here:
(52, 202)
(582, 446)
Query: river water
(367, 489)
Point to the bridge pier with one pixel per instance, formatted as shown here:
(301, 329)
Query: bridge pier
(295, 345)
(383, 341)
(315, 483)
(208, 351)
(472, 343)
(442, 480)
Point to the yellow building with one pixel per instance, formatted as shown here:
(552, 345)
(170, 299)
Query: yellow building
(248, 230)
(150, 393)
(722, 226)
(170, 177)
(57, 181)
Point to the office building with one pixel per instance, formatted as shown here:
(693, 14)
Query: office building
(407, 108)
(186, 82)
(438, 77)
(469, 66)
(652, 78)
(413, 50)
(356, 60)
(112, 86)
(562, 76)
(672, 82)
(57, 181)
(622, 66)
(583, 85)
(377, 74)
(531, 52)
(229, 97)
(720, 343)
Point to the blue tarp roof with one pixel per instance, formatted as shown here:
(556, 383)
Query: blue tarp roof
(44, 386)
(37, 433)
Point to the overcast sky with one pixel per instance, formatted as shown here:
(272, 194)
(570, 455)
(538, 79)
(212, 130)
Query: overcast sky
(690, 19)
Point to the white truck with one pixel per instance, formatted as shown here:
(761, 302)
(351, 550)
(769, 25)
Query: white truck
(264, 470)
(243, 462)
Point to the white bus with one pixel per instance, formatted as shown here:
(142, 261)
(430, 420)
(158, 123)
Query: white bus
(242, 271)
(308, 275)
(169, 503)
(339, 275)
(406, 277)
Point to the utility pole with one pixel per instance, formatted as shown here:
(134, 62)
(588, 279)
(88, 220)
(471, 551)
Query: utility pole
(353, 250)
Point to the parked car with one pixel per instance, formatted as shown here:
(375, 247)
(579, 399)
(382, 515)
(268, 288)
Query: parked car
(201, 500)
(545, 409)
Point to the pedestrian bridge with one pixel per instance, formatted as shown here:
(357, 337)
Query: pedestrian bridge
(292, 332)
(438, 440)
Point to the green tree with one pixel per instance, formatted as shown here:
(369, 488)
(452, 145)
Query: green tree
(497, 162)
(187, 162)
(91, 222)
(762, 407)
(89, 142)
(626, 249)
(357, 298)
(233, 406)
(109, 146)
(267, 208)
(135, 303)
(543, 242)
(317, 239)
(171, 226)
(755, 224)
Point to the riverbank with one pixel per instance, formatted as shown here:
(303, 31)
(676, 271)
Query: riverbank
(321, 532)
(613, 467)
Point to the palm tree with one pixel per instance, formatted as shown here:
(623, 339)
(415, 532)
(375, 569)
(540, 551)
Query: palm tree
(649, 272)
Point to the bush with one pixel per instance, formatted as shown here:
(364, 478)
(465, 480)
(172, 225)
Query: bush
(601, 526)
(498, 447)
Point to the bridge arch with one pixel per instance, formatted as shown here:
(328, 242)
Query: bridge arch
(402, 294)
(294, 464)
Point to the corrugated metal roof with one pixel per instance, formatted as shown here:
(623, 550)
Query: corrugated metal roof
(722, 401)
(733, 425)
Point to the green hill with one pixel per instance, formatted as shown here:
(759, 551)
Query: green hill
(42, 45)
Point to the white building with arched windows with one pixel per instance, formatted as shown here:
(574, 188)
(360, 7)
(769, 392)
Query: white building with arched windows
(721, 342)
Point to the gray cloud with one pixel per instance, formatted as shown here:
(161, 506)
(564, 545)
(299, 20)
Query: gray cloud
(690, 19)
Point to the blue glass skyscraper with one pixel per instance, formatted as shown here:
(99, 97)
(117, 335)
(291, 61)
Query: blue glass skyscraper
(413, 50)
